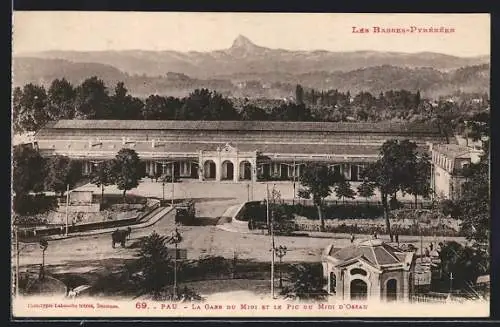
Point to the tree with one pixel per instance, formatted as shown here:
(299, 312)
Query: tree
(155, 264)
(27, 169)
(392, 172)
(317, 180)
(251, 112)
(307, 282)
(474, 203)
(366, 190)
(420, 183)
(61, 171)
(124, 106)
(92, 100)
(466, 264)
(202, 104)
(126, 170)
(344, 190)
(156, 108)
(103, 176)
(291, 112)
(299, 94)
(279, 214)
(29, 106)
(473, 206)
(61, 100)
(17, 109)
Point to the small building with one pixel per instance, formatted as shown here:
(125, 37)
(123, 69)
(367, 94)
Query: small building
(368, 270)
(448, 164)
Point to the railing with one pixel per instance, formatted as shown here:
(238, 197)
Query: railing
(427, 299)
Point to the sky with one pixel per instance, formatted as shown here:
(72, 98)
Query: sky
(94, 31)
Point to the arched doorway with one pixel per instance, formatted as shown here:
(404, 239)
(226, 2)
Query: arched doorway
(359, 290)
(209, 169)
(391, 290)
(227, 170)
(245, 170)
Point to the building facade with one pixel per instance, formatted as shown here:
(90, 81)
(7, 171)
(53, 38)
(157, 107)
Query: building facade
(368, 270)
(448, 164)
(229, 150)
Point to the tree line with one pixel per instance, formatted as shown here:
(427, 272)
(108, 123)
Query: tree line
(400, 168)
(33, 105)
(33, 174)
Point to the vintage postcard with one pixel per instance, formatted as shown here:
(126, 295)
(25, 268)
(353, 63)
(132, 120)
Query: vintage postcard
(182, 165)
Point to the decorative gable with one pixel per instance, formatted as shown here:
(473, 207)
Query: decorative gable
(359, 263)
(228, 148)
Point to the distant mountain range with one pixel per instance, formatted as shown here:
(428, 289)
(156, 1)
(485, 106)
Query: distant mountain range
(276, 70)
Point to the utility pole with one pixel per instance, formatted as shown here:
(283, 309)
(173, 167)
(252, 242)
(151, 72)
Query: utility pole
(273, 247)
(173, 177)
(293, 200)
(248, 192)
(272, 257)
(267, 207)
(254, 174)
(67, 209)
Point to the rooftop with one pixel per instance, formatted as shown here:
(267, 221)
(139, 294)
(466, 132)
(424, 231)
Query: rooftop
(374, 251)
(355, 127)
(454, 151)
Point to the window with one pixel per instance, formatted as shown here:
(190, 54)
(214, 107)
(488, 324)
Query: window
(333, 283)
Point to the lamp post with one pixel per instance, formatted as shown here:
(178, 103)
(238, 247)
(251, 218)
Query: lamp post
(43, 245)
(163, 190)
(451, 283)
(280, 253)
(176, 239)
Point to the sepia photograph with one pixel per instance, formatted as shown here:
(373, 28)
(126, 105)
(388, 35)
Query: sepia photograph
(189, 164)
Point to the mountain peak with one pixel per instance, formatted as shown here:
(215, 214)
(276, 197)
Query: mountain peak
(242, 42)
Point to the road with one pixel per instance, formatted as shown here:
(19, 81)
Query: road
(94, 253)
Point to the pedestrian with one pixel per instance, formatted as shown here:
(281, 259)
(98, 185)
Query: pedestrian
(375, 235)
(431, 246)
(352, 237)
(427, 252)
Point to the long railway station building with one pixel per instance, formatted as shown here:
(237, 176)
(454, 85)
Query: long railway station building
(230, 150)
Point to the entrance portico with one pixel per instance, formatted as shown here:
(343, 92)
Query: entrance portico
(227, 163)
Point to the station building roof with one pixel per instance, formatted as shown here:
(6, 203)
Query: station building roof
(349, 127)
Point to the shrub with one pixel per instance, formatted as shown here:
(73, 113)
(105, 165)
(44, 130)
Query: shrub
(34, 204)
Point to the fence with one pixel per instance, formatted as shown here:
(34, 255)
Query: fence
(404, 204)
(427, 299)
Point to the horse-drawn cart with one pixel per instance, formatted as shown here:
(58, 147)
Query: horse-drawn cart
(185, 212)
